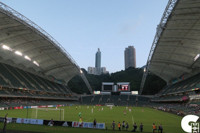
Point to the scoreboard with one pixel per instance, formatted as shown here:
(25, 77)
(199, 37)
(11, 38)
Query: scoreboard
(123, 86)
(119, 87)
(107, 86)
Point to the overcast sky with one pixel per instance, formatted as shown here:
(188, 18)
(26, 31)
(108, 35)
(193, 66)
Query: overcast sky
(83, 26)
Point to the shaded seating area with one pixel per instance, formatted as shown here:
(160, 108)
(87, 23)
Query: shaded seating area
(14, 78)
(187, 85)
(117, 100)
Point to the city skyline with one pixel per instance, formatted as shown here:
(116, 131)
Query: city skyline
(83, 26)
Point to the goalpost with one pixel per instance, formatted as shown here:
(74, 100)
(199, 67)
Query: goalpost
(48, 112)
(110, 105)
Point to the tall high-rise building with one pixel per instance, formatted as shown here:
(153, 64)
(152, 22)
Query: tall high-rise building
(98, 59)
(130, 57)
(97, 70)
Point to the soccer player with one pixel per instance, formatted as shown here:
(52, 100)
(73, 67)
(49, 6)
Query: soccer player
(92, 110)
(79, 114)
(119, 126)
(124, 112)
(141, 127)
(154, 128)
(80, 122)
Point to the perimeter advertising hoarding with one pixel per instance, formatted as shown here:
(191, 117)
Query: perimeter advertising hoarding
(29, 121)
(88, 125)
(9, 120)
(59, 123)
(56, 123)
(19, 107)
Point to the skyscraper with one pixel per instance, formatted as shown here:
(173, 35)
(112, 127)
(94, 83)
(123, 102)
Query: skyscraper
(98, 59)
(130, 57)
(97, 70)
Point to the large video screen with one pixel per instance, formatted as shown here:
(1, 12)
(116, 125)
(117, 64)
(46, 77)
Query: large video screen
(123, 87)
(108, 87)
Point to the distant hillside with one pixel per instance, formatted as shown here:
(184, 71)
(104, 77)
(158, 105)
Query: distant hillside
(132, 75)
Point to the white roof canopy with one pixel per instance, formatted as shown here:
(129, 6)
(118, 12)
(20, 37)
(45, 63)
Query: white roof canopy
(25, 45)
(179, 42)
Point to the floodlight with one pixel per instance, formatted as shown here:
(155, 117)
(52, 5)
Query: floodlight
(36, 63)
(18, 53)
(28, 58)
(6, 48)
(196, 57)
(81, 71)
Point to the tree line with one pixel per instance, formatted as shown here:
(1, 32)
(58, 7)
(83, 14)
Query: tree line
(152, 86)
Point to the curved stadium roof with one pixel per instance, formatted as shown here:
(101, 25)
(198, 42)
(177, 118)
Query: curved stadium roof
(25, 45)
(179, 42)
(175, 49)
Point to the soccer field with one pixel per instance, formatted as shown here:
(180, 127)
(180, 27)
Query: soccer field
(148, 116)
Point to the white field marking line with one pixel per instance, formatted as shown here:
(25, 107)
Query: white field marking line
(132, 119)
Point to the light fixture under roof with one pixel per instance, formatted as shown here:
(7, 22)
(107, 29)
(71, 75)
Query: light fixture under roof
(18, 53)
(6, 47)
(81, 71)
(196, 57)
(28, 58)
(145, 69)
(36, 63)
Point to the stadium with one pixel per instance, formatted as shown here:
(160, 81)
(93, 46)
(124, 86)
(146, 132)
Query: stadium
(34, 91)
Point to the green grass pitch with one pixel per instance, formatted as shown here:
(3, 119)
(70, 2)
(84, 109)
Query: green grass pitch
(148, 116)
